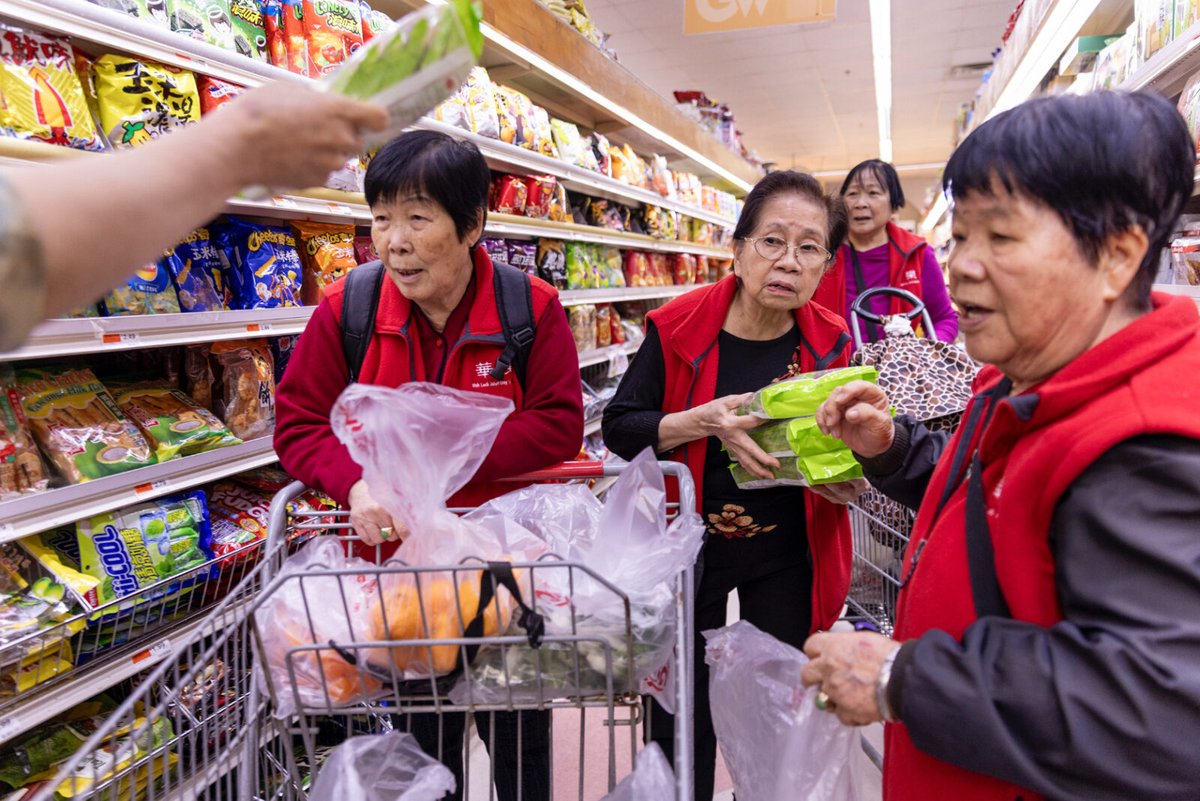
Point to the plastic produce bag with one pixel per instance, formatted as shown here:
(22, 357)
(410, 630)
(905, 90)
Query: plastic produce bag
(800, 396)
(777, 744)
(627, 543)
(386, 767)
(652, 779)
(418, 445)
(414, 66)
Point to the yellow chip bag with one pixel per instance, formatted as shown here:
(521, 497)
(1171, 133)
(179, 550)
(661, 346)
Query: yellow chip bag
(327, 252)
(142, 100)
(42, 96)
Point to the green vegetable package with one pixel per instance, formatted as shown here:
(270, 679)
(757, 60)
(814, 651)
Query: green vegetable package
(800, 396)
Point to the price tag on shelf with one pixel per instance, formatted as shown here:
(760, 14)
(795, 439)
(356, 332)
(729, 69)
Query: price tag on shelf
(142, 489)
(116, 339)
(254, 328)
(283, 202)
(10, 726)
(618, 361)
(154, 652)
(340, 208)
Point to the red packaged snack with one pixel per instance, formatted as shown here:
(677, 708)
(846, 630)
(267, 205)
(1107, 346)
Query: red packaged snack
(215, 93)
(541, 195)
(614, 322)
(660, 269)
(364, 250)
(603, 326)
(636, 269)
(683, 268)
(334, 31)
(374, 22)
(509, 195)
(286, 45)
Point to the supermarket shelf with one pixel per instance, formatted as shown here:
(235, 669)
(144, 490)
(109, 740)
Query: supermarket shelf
(574, 297)
(123, 32)
(104, 334)
(1169, 69)
(592, 426)
(516, 226)
(601, 355)
(100, 674)
(34, 513)
(501, 155)
(1192, 292)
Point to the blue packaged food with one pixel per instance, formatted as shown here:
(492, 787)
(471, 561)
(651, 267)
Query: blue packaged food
(260, 264)
(149, 291)
(193, 283)
(200, 248)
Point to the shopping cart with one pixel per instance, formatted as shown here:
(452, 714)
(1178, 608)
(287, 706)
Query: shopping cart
(201, 727)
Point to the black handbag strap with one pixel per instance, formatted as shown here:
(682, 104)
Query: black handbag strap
(874, 332)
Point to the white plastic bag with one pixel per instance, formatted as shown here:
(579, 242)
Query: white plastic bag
(310, 607)
(381, 767)
(777, 744)
(626, 541)
(418, 445)
(652, 779)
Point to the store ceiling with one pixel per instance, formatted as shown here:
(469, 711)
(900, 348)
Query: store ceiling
(804, 95)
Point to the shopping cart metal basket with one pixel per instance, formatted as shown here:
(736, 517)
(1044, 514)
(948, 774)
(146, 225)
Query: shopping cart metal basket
(202, 727)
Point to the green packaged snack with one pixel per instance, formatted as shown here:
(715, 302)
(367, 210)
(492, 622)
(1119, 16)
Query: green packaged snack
(153, 10)
(133, 548)
(249, 29)
(795, 437)
(202, 20)
(800, 396)
(803, 471)
(173, 423)
(416, 65)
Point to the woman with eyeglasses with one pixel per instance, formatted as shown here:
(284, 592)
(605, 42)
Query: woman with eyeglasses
(703, 353)
(880, 253)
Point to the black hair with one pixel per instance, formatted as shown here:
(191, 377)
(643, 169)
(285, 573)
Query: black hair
(1103, 162)
(798, 183)
(884, 173)
(440, 167)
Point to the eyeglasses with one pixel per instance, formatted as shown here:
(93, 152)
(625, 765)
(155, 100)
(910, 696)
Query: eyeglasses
(772, 248)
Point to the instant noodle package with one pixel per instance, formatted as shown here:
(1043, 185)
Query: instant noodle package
(261, 265)
(78, 425)
(41, 96)
(140, 100)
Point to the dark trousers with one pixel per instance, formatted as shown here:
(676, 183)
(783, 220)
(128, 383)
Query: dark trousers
(517, 742)
(776, 600)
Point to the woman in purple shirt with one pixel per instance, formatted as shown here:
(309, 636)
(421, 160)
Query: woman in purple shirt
(880, 253)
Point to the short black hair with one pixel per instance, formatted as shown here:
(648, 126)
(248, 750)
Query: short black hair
(1104, 162)
(798, 183)
(438, 166)
(884, 173)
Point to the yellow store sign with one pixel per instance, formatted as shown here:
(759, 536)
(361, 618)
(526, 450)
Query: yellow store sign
(712, 16)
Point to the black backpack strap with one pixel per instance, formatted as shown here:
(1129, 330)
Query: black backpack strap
(514, 299)
(360, 301)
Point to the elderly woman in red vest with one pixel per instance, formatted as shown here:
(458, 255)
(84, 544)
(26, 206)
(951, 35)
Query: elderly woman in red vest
(437, 320)
(880, 253)
(785, 550)
(1047, 643)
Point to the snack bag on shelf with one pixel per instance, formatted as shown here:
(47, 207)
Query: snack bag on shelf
(141, 100)
(281, 353)
(333, 29)
(602, 151)
(637, 269)
(148, 291)
(540, 194)
(560, 207)
(618, 331)
(663, 180)
(603, 325)
(1189, 108)
(32, 602)
(214, 93)
(239, 515)
(610, 261)
(582, 319)
(171, 421)
(287, 47)
(413, 67)
(571, 147)
(517, 124)
(1185, 257)
(800, 396)
(327, 253)
(260, 264)
(364, 250)
(193, 282)
(244, 389)
(543, 138)
(78, 425)
(660, 270)
(473, 106)
(41, 92)
(154, 11)
(523, 256)
(552, 263)
(21, 469)
(497, 249)
(510, 193)
(578, 273)
(200, 248)
(374, 23)
(198, 378)
(202, 20)
(249, 29)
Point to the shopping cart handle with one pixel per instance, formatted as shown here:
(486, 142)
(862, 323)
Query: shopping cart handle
(563, 471)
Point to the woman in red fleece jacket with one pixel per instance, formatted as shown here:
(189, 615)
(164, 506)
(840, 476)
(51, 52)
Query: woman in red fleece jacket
(437, 320)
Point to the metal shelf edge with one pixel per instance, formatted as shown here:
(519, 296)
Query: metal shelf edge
(56, 507)
(574, 297)
(601, 355)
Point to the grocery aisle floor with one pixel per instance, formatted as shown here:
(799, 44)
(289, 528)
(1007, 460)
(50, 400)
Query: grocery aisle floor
(568, 736)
